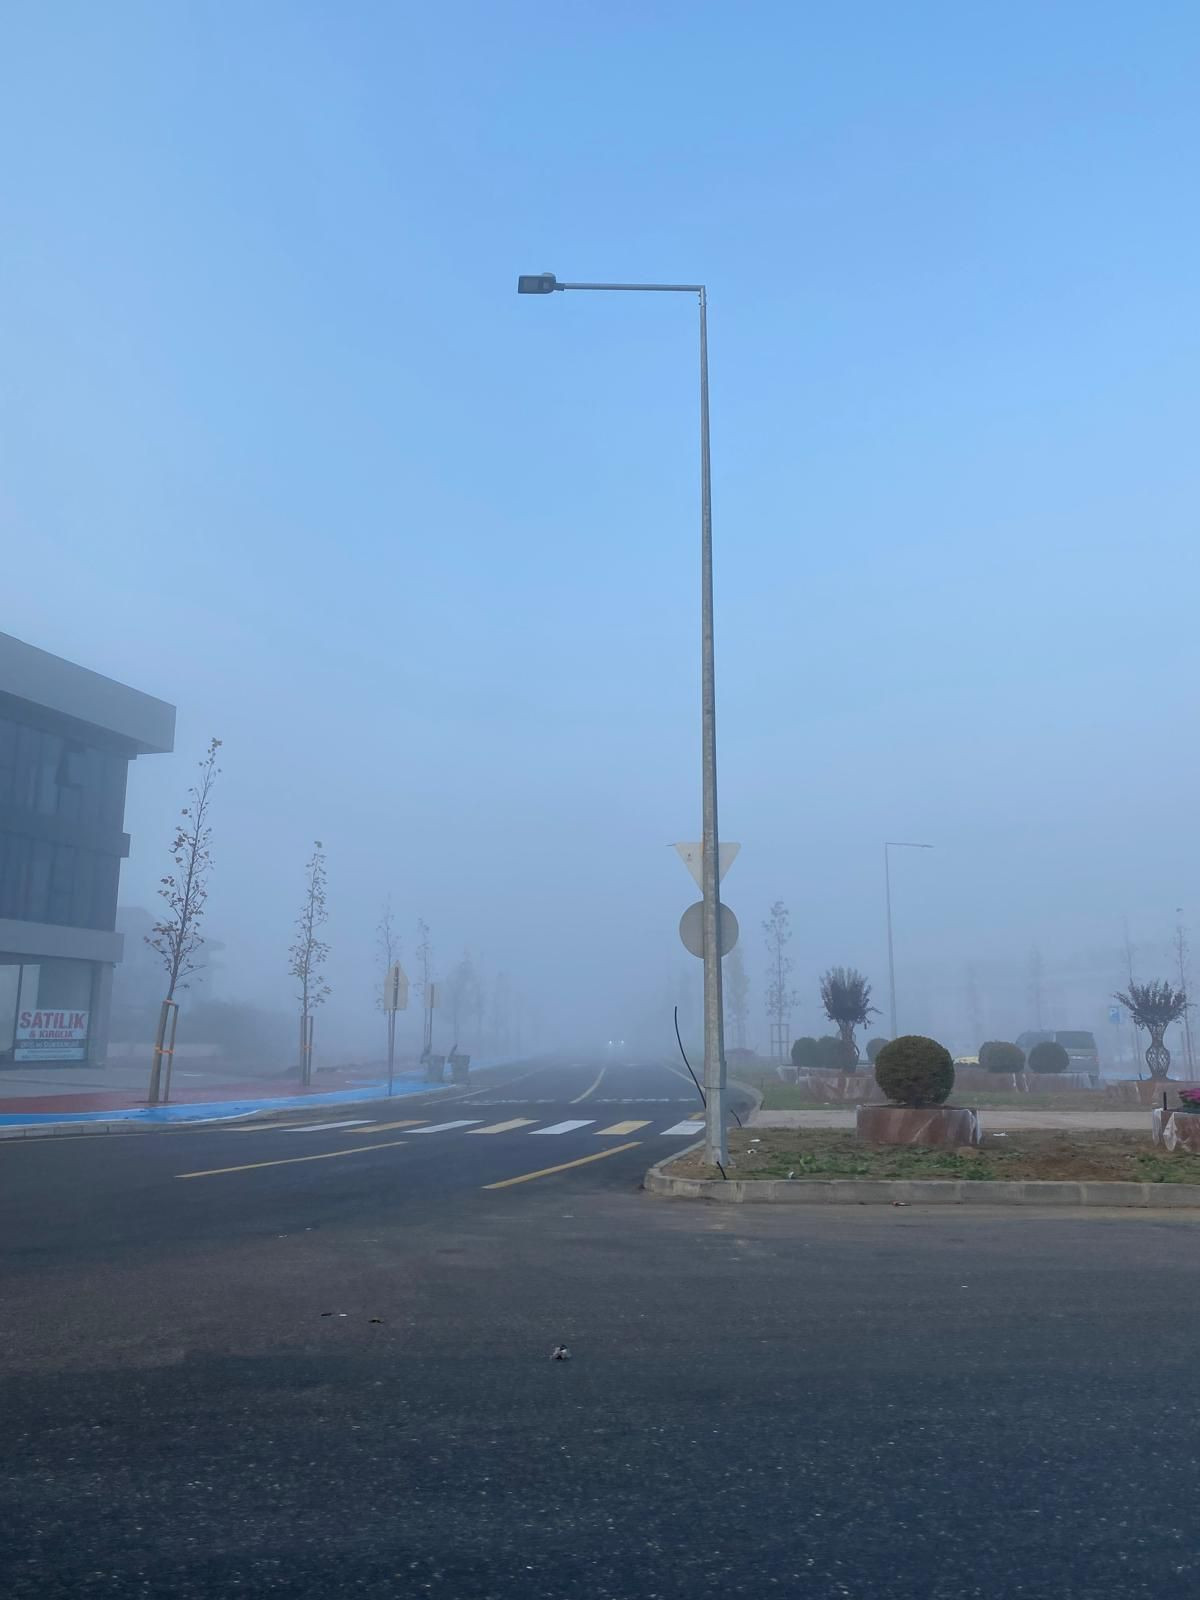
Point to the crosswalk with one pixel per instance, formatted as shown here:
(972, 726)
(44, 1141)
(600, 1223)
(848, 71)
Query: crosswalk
(365, 1126)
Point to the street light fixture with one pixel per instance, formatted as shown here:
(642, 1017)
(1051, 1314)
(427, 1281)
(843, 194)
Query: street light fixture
(715, 1148)
(894, 844)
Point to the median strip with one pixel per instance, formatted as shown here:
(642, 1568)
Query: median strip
(565, 1166)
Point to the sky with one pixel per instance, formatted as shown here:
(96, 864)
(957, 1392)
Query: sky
(279, 443)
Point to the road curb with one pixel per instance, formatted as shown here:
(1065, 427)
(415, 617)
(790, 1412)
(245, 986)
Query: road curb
(918, 1191)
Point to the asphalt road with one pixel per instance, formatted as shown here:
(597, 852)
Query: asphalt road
(228, 1369)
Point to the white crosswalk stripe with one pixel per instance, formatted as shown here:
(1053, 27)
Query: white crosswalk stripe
(319, 1127)
(683, 1129)
(566, 1127)
(444, 1127)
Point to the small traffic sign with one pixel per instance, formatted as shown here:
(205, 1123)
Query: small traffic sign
(691, 929)
(692, 856)
(395, 989)
(1114, 1013)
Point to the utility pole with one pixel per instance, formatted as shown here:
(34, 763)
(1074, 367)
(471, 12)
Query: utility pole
(1181, 950)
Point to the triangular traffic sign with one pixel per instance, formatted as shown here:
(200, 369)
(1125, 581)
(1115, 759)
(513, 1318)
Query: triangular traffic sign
(692, 856)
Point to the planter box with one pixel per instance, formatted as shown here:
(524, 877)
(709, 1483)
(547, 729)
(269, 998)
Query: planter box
(435, 1069)
(933, 1125)
(1176, 1130)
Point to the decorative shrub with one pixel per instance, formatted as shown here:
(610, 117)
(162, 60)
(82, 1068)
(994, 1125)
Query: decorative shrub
(874, 1046)
(997, 1055)
(1190, 1098)
(1048, 1057)
(805, 1052)
(915, 1071)
(833, 1055)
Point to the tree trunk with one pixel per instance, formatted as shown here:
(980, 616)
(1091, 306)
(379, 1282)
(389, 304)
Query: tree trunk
(849, 1047)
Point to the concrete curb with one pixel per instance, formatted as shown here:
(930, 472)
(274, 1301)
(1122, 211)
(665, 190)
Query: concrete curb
(917, 1191)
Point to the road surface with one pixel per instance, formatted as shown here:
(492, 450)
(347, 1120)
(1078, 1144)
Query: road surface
(315, 1361)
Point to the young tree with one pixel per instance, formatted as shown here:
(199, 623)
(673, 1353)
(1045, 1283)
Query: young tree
(388, 943)
(1155, 1006)
(424, 984)
(308, 955)
(176, 935)
(737, 987)
(780, 995)
(846, 996)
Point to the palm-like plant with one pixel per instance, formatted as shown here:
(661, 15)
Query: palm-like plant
(846, 996)
(1154, 1006)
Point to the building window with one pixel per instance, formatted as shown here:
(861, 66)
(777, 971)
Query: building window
(45, 1009)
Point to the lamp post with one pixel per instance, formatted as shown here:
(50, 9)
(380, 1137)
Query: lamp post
(894, 844)
(715, 1148)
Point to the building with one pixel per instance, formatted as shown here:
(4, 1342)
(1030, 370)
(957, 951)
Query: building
(67, 737)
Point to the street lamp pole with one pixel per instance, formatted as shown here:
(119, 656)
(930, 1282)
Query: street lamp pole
(894, 844)
(715, 1145)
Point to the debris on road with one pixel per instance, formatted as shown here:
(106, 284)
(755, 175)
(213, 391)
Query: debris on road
(560, 1353)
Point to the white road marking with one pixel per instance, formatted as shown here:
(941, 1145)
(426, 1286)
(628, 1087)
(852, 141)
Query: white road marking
(444, 1127)
(566, 1127)
(683, 1129)
(319, 1127)
(592, 1089)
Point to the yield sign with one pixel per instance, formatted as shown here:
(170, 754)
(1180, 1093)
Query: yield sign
(692, 856)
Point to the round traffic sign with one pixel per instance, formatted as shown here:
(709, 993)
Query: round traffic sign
(691, 929)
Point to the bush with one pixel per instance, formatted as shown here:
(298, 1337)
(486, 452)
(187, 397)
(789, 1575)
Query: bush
(874, 1046)
(915, 1071)
(805, 1052)
(1048, 1057)
(832, 1054)
(997, 1055)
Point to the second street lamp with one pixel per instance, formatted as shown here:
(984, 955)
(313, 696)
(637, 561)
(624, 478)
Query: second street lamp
(715, 1148)
(894, 844)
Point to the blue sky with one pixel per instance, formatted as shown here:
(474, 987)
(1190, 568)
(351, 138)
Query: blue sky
(281, 444)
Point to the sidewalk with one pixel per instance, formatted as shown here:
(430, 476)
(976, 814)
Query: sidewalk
(40, 1100)
(1001, 1119)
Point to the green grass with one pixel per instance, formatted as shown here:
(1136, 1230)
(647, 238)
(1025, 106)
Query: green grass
(1040, 1154)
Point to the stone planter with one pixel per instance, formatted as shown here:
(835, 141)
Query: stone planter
(1176, 1130)
(932, 1125)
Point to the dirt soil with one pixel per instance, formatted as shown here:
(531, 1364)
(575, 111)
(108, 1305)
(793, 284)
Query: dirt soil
(832, 1153)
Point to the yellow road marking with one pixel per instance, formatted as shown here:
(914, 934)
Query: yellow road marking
(291, 1161)
(590, 1090)
(506, 1127)
(546, 1172)
(621, 1127)
(387, 1127)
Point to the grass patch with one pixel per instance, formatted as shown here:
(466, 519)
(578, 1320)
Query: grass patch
(1033, 1154)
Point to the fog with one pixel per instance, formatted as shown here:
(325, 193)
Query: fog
(282, 446)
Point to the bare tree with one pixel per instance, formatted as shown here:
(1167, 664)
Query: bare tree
(846, 996)
(425, 963)
(176, 935)
(308, 955)
(737, 987)
(780, 995)
(388, 942)
(462, 994)
(1155, 1006)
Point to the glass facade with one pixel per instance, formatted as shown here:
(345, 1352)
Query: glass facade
(62, 805)
(45, 1008)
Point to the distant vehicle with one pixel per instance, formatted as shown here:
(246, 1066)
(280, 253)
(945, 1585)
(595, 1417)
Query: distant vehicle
(1077, 1042)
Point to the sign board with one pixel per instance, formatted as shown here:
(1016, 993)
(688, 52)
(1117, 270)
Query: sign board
(395, 989)
(692, 856)
(431, 996)
(1114, 1013)
(51, 1036)
(691, 929)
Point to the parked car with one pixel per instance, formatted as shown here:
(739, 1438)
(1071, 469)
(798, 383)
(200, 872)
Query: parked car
(1077, 1042)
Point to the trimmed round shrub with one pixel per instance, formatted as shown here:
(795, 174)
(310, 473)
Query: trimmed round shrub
(1048, 1057)
(805, 1052)
(874, 1046)
(831, 1054)
(915, 1071)
(997, 1055)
